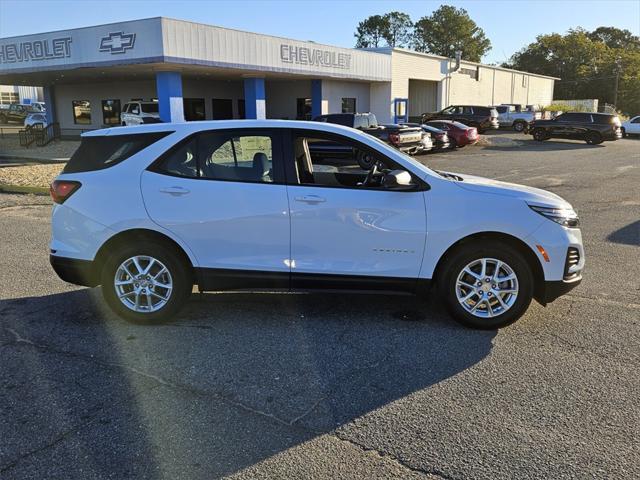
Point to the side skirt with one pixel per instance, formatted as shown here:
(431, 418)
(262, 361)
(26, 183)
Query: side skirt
(217, 279)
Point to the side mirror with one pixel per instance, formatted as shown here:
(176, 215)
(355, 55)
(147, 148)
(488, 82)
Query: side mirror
(398, 180)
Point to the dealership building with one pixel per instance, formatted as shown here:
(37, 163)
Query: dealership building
(203, 72)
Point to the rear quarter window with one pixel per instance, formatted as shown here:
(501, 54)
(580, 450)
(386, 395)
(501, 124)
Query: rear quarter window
(482, 111)
(98, 153)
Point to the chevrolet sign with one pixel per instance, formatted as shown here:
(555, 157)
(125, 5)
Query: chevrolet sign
(314, 57)
(117, 42)
(36, 50)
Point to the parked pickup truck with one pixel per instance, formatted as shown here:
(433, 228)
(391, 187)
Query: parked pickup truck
(512, 116)
(16, 112)
(406, 139)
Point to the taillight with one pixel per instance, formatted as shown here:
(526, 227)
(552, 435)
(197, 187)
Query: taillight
(471, 132)
(394, 138)
(61, 190)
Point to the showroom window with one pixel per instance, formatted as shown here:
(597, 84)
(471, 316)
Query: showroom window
(81, 112)
(193, 109)
(303, 109)
(348, 105)
(111, 112)
(7, 98)
(221, 109)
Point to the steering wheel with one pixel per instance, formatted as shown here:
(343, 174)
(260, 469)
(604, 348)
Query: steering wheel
(368, 180)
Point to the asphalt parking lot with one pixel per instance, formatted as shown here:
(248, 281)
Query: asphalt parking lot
(335, 386)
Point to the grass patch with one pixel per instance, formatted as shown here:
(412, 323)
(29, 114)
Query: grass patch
(5, 188)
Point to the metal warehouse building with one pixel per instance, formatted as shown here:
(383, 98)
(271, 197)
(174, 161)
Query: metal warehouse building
(199, 72)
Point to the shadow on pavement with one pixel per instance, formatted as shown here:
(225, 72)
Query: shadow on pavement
(236, 379)
(628, 235)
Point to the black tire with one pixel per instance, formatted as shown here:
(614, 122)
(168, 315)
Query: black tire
(624, 132)
(180, 274)
(456, 262)
(519, 126)
(365, 160)
(593, 138)
(540, 135)
(452, 143)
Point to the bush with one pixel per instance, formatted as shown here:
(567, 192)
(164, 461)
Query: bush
(563, 107)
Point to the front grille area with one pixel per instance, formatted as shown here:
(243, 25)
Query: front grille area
(573, 258)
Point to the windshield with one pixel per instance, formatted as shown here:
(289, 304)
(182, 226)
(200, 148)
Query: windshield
(149, 107)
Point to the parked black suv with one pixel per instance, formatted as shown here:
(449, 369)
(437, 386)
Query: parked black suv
(483, 118)
(593, 128)
(406, 139)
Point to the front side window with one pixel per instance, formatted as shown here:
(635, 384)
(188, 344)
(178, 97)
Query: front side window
(81, 112)
(149, 107)
(348, 105)
(134, 109)
(336, 161)
(111, 112)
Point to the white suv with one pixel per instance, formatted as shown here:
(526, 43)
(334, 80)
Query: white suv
(138, 113)
(149, 211)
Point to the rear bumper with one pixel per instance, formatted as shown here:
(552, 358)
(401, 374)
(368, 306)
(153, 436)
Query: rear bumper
(556, 288)
(73, 270)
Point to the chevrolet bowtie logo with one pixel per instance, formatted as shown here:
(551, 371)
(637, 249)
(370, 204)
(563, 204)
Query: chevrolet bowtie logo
(117, 42)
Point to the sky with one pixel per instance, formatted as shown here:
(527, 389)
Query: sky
(509, 24)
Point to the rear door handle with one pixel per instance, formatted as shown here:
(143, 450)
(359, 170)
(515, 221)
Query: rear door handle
(174, 191)
(311, 199)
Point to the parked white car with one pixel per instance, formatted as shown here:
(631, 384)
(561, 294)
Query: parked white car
(631, 126)
(35, 119)
(149, 211)
(138, 113)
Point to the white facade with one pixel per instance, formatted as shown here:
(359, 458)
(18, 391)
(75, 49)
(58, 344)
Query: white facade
(248, 73)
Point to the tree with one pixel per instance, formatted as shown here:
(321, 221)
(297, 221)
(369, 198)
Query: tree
(587, 64)
(398, 29)
(449, 29)
(370, 32)
(395, 28)
(615, 38)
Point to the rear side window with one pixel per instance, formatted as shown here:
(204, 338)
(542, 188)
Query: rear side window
(482, 111)
(98, 153)
(605, 119)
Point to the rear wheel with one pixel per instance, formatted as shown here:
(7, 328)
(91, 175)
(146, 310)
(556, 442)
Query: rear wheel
(486, 287)
(540, 135)
(624, 132)
(593, 138)
(519, 126)
(452, 143)
(146, 283)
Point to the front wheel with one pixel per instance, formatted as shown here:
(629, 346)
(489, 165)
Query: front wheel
(486, 287)
(145, 284)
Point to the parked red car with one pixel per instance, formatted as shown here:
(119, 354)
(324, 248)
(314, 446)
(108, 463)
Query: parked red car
(459, 134)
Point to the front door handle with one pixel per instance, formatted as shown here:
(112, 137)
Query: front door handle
(311, 199)
(174, 191)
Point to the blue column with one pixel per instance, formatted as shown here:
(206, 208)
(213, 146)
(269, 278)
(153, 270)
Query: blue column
(254, 98)
(49, 103)
(316, 98)
(169, 90)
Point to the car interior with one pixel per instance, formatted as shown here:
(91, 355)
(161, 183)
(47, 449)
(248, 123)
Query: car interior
(329, 163)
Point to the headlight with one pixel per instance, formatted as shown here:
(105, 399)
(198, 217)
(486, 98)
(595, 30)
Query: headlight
(567, 217)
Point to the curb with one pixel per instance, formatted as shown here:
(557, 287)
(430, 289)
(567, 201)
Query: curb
(26, 158)
(5, 188)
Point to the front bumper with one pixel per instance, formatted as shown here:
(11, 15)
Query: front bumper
(556, 288)
(73, 270)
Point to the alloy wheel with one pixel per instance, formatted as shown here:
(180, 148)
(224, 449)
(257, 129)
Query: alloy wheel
(143, 284)
(487, 287)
